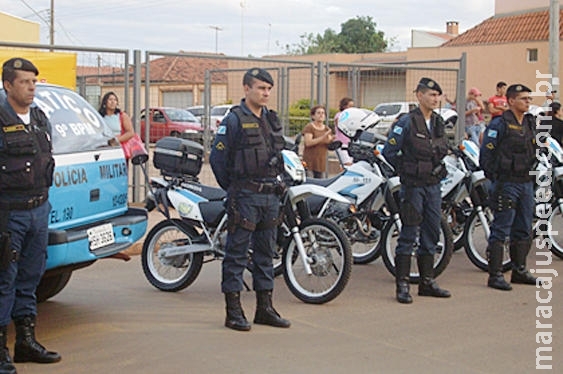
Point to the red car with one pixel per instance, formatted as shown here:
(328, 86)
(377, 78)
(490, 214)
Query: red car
(170, 122)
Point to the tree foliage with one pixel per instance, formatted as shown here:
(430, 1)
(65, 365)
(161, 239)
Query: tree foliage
(357, 35)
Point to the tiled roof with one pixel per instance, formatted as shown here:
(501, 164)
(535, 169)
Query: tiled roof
(523, 27)
(169, 69)
(186, 69)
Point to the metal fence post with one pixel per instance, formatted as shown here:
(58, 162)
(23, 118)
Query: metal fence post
(207, 111)
(136, 109)
(460, 98)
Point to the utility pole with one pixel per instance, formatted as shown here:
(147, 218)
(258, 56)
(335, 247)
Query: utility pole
(242, 6)
(554, 42)
(217, 29)
(269, 35)
(52, 24)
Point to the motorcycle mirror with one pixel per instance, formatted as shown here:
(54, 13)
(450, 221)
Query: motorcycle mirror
(335, 145)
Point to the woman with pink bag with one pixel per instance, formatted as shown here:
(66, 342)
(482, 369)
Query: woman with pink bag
(121, 126)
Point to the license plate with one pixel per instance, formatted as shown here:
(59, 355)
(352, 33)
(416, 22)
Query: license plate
(100, 236)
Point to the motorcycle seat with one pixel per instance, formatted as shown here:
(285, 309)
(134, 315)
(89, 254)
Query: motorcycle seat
(322, 181)
(208, 192)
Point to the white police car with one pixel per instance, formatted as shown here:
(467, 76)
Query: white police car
(90, 218)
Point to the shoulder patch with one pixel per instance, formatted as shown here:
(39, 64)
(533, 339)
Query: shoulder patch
(220, 146)
(222, 130)
(490, 146)
(392, 141)
(492, 134)
(398, 130)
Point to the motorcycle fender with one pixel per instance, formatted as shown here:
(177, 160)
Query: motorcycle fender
(298, 193)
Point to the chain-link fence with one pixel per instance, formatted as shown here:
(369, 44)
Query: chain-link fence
(180, 80)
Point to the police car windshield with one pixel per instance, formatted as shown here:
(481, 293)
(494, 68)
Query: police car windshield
(76, 125)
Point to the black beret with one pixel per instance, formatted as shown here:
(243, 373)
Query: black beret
(18, 63)
(260, 74)
(516, 88)
(430, 84)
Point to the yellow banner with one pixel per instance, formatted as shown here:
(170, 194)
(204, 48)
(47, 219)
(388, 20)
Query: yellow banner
(54, 67)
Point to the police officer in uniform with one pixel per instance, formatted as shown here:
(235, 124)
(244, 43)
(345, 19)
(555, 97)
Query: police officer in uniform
(246, 160)
(26, 173)
(508, 152)
(415, 147)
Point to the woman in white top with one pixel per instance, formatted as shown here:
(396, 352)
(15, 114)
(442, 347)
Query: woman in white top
(117, 120)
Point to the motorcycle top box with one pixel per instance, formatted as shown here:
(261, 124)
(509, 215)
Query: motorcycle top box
(177, 156)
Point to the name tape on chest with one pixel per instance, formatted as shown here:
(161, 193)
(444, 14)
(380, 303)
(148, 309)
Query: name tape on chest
(14, 128)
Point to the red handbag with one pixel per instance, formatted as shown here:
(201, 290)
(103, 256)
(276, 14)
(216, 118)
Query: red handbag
(134, 148)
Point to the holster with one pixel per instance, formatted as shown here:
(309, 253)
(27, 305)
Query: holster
(499, 201)
(234, 218)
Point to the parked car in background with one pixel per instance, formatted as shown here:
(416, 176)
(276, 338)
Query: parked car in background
(388, 112)
(90, 218)
(166, 121)
(218, 112)
(197, 110)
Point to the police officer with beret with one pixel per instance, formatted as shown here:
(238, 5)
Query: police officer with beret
(415, 147)
(507, 156)
(246, 160)
(26, 173)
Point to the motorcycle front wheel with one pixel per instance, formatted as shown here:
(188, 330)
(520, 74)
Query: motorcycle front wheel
(170, 274)
(442, 257)
(330, 258)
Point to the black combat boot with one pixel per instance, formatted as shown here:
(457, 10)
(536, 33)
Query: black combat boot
(235, 319)
(265, 312)
(6, 366)
(27, 349)
(402, 278)
(427, 286)
(495, 253)
(519, 250)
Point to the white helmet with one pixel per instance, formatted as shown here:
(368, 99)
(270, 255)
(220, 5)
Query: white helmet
(353, 121)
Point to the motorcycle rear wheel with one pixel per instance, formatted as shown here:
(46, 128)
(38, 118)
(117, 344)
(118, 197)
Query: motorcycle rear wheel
(329, 249)
(442, 257)
(175, 274)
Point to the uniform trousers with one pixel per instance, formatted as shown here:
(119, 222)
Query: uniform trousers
(29, 235)
(513, 222)
(426, 202)
(256, 208)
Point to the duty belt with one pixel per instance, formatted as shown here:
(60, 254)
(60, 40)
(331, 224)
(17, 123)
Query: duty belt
(258, 187)
(24, 203)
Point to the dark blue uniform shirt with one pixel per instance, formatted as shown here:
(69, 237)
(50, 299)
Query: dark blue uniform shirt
(228, 134)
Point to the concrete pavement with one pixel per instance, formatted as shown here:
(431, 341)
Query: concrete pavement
(109, 319)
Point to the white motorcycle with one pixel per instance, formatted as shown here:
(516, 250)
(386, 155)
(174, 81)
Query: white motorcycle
(363, 185)
(316, 257)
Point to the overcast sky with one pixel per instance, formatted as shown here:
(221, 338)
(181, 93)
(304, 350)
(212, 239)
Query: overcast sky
(234, 27)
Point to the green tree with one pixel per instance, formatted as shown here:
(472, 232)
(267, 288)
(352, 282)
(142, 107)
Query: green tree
(357, 35)
(360, 36)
